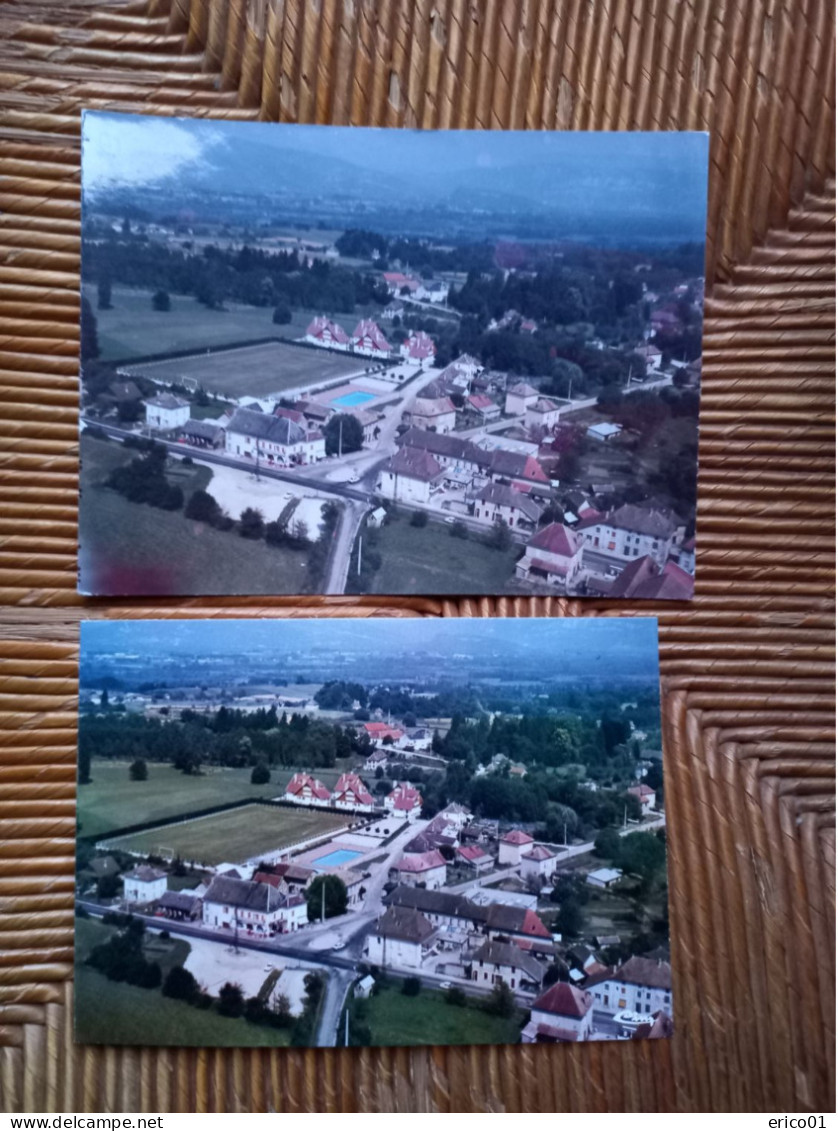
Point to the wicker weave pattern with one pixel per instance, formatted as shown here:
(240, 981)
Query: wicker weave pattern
(747, 667)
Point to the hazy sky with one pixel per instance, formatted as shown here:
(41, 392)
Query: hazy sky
(614, 640)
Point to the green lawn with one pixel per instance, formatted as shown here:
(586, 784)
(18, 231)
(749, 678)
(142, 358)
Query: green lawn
(429, 560)
(112, 801)
(235, 835)
(131, 328)
(128, 548)
(114, 1013)
(428, 1019)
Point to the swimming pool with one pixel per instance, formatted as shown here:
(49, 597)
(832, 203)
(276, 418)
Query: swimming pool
(353, 400)
(335, 859)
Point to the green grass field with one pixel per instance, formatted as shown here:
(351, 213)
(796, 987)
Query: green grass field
(234, 836)
(114, 1013)
(112, 801)
(130, 548)
(428, 560)
(429, 1020)
(131, 328)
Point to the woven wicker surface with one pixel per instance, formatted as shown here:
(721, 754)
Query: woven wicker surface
(747, 667)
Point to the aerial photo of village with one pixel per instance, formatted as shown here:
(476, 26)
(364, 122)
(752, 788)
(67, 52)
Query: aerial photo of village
(334, 360)
(398, 831)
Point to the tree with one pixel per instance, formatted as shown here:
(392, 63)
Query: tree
(230, 1000)
(456, 996)
(343, 433)
(336, 897)
(103, 292)
(569, 918)
(107, 887)
(501, 1001)
(282, 314)
(459, 529)
(138, 770)
(180, 984)
(251, 523)
(607, 844)
(89, 340)
(160, 301)
(500, 537)
(260, 774)
(411, 987)
(202, 507)
(419, 518)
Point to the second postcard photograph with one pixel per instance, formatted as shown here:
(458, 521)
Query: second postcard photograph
(367, 361)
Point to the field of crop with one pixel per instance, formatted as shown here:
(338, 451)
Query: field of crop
(236, 835)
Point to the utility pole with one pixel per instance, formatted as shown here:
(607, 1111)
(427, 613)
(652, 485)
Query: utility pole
(360, 540)
(625, 817)
(565, 834)
(346, 1030)
(340, 438)
(323, 901)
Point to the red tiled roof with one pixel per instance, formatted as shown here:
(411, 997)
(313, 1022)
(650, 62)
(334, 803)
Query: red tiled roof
(531, 924)
(548, 567)
(641, 790)
(473, 852)
(367, 329)
(480, 400)
(565, 1001)
(405, 798)
(556, 539)
(420, 345)
(517, 836)
(382, 730)
(423, 862)
(539, 853)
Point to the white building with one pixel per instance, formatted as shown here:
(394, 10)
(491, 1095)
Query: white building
(643, 985)
(538, 863)
(423, 869)
(144, 884)
(325, 333)
(303, 789)
(437, 414)
(496, 962)
(519, 398)
(404, 802)
(408, 476)
(418, 349)
(562, 1013)
(631, 532)
(271, 439)
(368, 339)
(484, 406)
(166, 411)
(351, 793)
(603, 877)
(255, 908)
(511, 845)
(604, 431)
(542, 414)
(652, 358)
(553, 557)
(645, 795)
(512, 507)
(399, 939)
(432, 291)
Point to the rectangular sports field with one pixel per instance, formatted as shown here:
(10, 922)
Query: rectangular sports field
(235, 836)
(257, 371)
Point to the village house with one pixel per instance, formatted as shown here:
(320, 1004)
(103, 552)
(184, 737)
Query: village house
(645, 795)
(392, 310)
(143, 884)
(405, 802)
(631, 531)
(315, 415)
(652, 358)
(518, 468)
(325, 333)
(369, 421)
(519, 398)
(553, 556)
(543, 414)
(408, 476)
(286, 875)
(496, 502)
(455, 814)
(448, 911)
(484, 406)
(684, 556)
(303, 789)
(423, 869)
(166, 412)
(511, 845)
(378, 732)
(418, 739)
(604, 432)
(181, 905)
(351, 793)
(256, 908)
(643, 985)
(562, 1013)
(474, 857)
(644, 580)
(603, 877)
(437, 414)
(377, 758)
(418, 349)
(538, 863)
(397, 283)
(496, 962)
(275, 439)
(201, 434)
(432, 290)
(368, 339)
(520, 925)
(399, 938)
(455, 456)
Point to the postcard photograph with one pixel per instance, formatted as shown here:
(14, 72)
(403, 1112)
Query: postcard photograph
(364, 833)
(342, 360)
